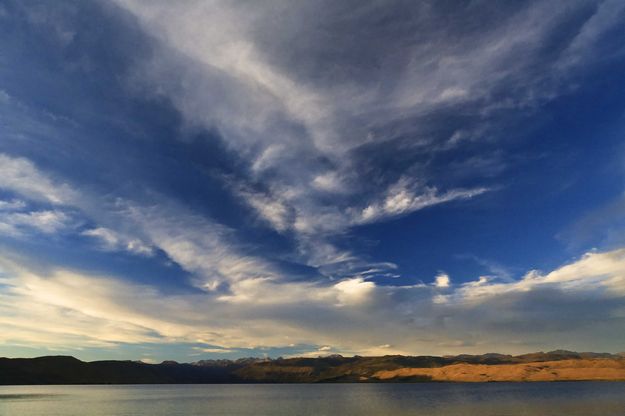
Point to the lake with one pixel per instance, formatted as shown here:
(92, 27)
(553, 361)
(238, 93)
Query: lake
(432, 399)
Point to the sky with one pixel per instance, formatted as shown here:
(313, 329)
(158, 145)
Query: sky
(218, 179)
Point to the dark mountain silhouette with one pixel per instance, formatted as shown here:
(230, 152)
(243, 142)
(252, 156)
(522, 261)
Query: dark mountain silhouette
(69, 370)
(335, 368)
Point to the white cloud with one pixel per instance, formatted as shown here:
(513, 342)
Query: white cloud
(112, 241)
(354, 290)
(271, 92)
(594, 271)
(203, 247)
(21, 176)
(47, 222)
(215, 350)
(329, 182)
(442, 280)
(272, 210)
(269, 157)
(12, 205)
(42, 308)
(453, 93)
(404, 197)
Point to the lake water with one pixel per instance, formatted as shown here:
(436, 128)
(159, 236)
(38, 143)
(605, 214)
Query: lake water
(432, 399)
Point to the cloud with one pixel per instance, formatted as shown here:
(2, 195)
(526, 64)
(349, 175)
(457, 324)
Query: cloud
(329, 182)
(113, 241)
(280, 126)
(442, 280)
(215, 350)
(272, 210)
(12, 205)
(326, 148)
(89, 310)
(208, 250)
(603, 272)
(47, 222)
(21, 176)
(403, 198)
(354, 290)
(608, 15)
(538, 309)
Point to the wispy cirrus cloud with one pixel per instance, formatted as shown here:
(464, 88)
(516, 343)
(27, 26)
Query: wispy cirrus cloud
(401, 199)
(113, 241)
(19, 175)
(47, 222)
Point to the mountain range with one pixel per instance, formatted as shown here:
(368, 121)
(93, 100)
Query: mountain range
(539, 366)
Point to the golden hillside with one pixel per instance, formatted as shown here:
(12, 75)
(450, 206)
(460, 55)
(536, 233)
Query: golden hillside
(564, 370)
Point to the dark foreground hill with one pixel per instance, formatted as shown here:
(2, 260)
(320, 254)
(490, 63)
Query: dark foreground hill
(551, 366)
(69, 370)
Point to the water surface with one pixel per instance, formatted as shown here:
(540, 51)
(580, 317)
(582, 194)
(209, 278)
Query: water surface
(431, 399)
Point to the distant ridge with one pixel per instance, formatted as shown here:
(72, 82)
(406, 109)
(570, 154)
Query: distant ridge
(538, 366)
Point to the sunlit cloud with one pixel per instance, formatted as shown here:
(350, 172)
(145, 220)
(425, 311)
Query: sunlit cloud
(89, 310)
(442, 280)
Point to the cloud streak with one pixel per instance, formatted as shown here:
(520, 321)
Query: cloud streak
(21, 176)
(112, 241)
(47, 222)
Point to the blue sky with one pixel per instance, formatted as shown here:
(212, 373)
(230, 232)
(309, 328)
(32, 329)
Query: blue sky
(224, 179)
